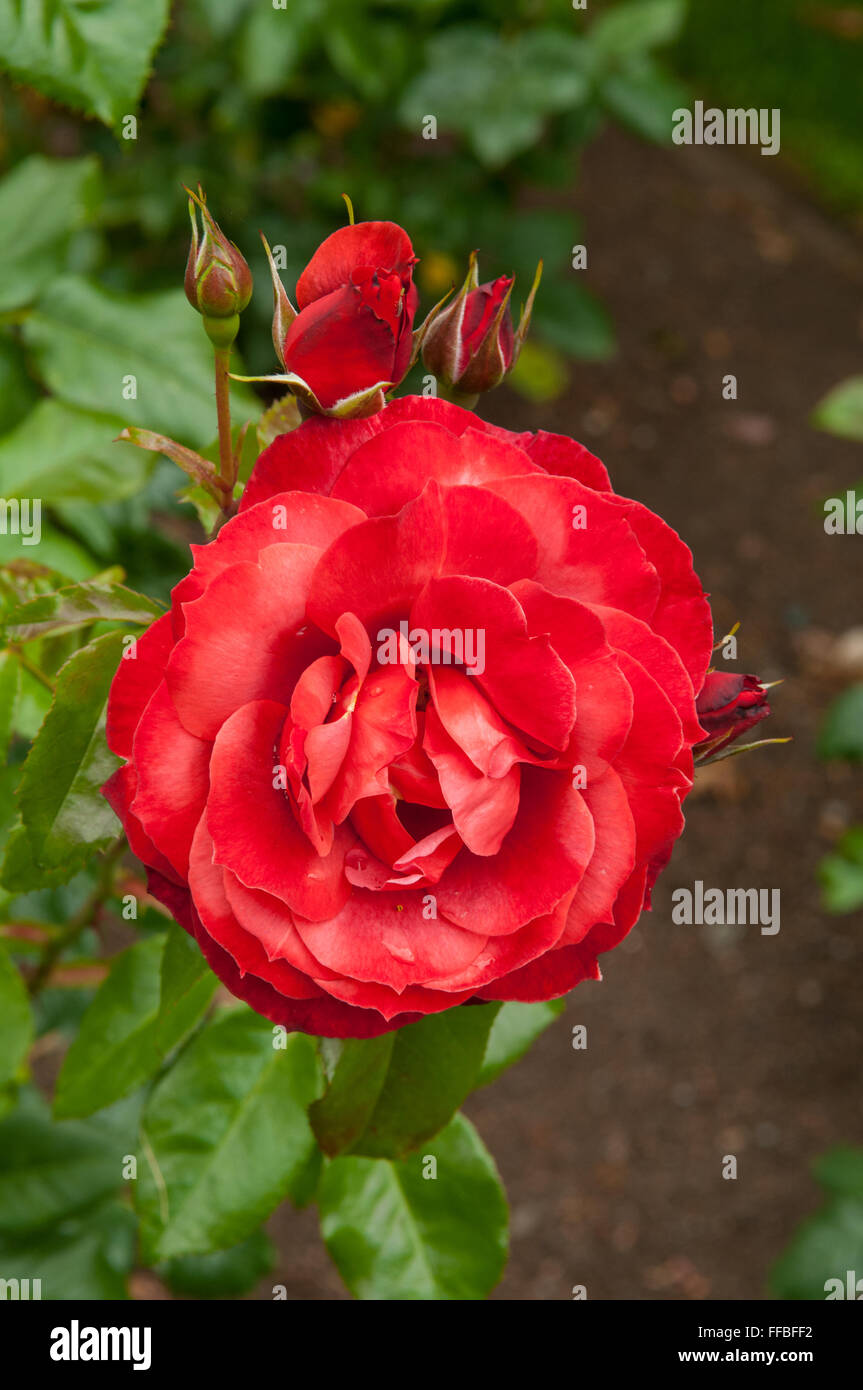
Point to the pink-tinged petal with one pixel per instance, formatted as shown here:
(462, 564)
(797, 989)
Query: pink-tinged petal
(473, 724)
(483, 808)
(566, 458)
(382, 835)
(316, 690)
(524, 678)
(246, 639)
(541, 860)
(207, 882)
(253, 827)
(137, 677)
(589, 550)
(386, 939)
(380, 245)
(173, 779)
(326, 748)
(392, 467)
(660, 658)
(355, 645)
(383, 725)
(431, 856)
(603, 697)
(375, 569)
(613, 858)
(413, 776)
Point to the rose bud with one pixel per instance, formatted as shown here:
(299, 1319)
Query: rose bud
(728, 706)
(350, 339)
(471, 345)
(218, 281)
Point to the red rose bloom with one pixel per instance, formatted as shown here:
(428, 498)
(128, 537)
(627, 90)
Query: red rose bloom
(419, 724)
(352, 338)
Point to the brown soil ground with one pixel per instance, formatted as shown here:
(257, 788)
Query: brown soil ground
(703, 1041)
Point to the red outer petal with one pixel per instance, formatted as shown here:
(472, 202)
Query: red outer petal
(225, 659)
(173, 779)
(603, 562)
(392, 467)
(566, 458)
(134, 683)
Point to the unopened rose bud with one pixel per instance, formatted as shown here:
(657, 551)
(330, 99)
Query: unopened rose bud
(728, 706)
(471, 345)
(218, 281)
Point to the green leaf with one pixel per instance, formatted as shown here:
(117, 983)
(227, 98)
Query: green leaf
(10, 689)
(841, 411)
(433, 1067)
(89, 1256)
(18, 391)
(64, 814)
(397, 1233)
(16, 1019)
(49, 1171)
(830, 1243)
(841, 873)
(42, 202)
(149, 1002)
(185, 988)
(644, 101)
(59, 453)
(840, 1171)
(513, 1033)
(94, 57)
(55, 550)
(90, 342)
(636, 27)
(497, 91)
(841, 734)
(225, 1273)
(283, 415)
(225, 1136)
(272, 44)
(78, 605)
(356, 1073)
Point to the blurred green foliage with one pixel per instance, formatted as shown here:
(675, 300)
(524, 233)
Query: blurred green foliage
(803, 56)
(825, 1256)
